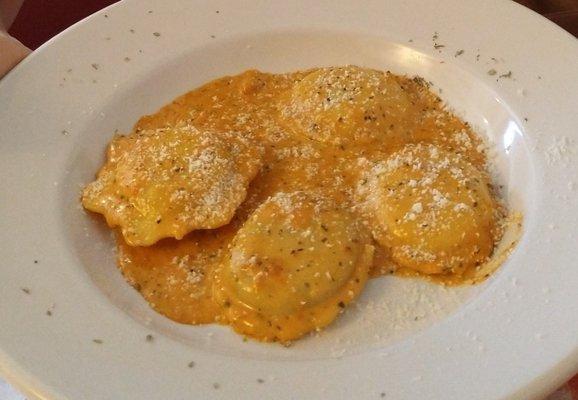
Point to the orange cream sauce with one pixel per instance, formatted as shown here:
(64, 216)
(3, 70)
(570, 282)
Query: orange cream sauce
(177, 277)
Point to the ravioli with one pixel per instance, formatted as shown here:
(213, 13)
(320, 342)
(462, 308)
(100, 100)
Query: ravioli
(277, 195)
(294, 265)
(432, 209)
(168, 182)
(349, 106)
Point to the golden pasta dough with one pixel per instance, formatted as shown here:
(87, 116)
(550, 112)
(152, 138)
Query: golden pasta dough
(349, 105)
(431, 208)
(168, 182)
(293, 266)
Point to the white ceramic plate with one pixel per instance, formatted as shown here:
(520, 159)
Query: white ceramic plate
(516, 336)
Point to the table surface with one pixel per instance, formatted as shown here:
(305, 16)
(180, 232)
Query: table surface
(39, 20)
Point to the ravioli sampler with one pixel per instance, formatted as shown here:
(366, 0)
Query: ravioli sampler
(266, 201)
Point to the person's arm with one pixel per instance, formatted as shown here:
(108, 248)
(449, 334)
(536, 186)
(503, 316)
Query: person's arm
(11, 50)
(8, 11)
